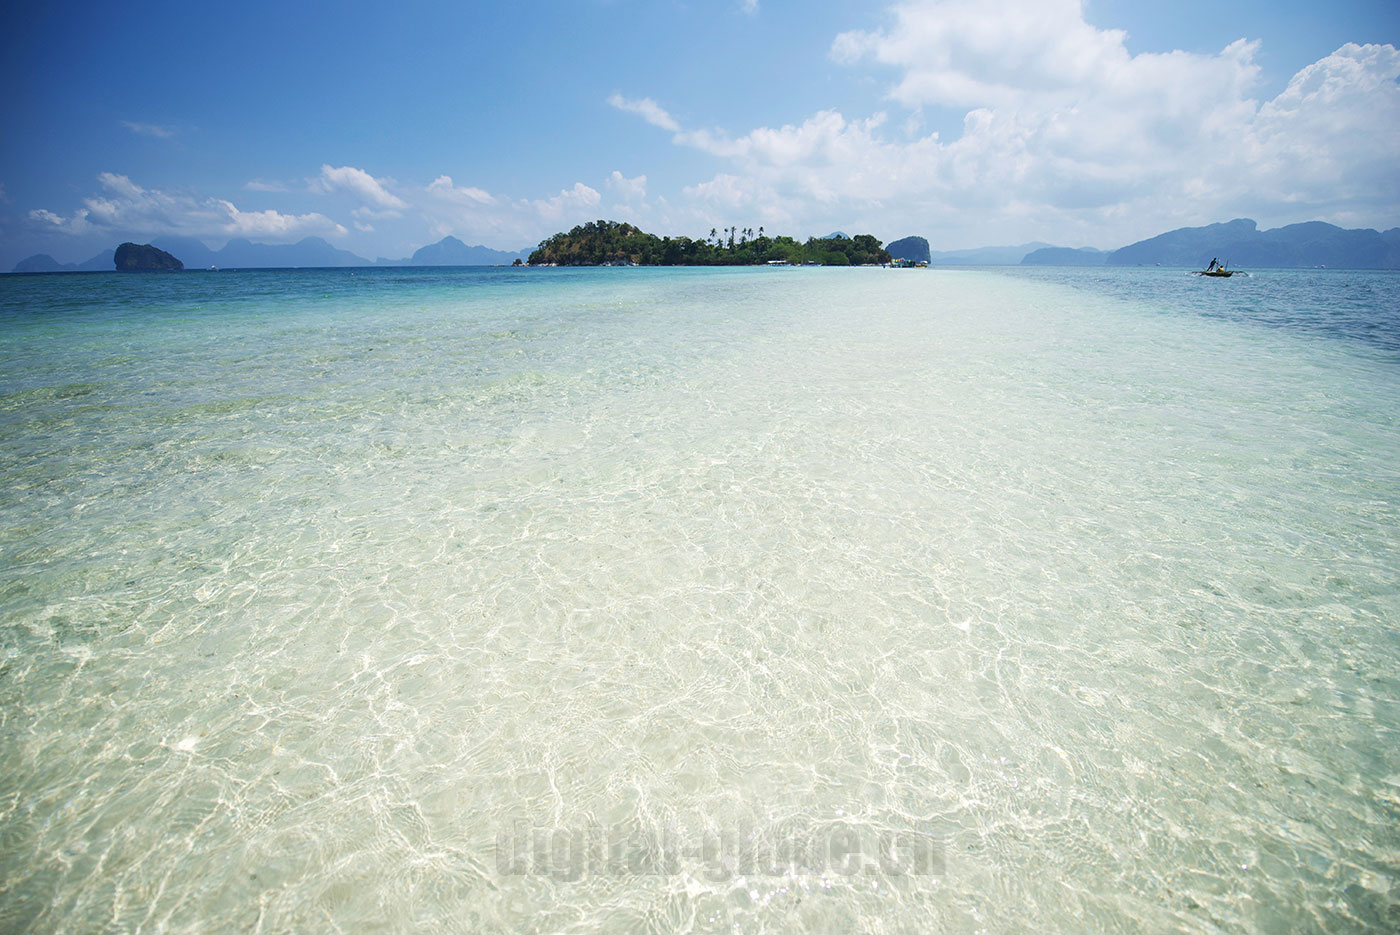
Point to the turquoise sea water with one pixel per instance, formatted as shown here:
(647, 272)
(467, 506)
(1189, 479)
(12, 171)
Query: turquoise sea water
(659, 600)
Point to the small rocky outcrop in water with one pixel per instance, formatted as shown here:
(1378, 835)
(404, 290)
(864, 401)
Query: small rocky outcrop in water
(143, 256)
(910, 248)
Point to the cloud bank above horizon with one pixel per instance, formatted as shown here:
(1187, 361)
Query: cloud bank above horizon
(1067, 131)
(1065, 136)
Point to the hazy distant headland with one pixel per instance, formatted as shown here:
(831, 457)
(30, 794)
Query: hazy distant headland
(241, 253)
(1238, 242)
(1241, 243)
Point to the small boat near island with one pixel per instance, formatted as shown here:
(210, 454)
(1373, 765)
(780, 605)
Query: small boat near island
(1216, 268)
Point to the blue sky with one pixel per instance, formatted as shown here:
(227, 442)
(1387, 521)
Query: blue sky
(383, 128)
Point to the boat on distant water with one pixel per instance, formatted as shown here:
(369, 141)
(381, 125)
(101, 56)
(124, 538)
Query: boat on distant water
(1216, 268)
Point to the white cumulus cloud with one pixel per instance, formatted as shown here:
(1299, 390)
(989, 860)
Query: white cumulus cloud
(627, 189)
(980, 52)
(442, 188)
(149, 129)
(77, 223)
(1067, 136)
(124, 206)
(648, 109)
(273, 224)
(568, 202)
(370, 190)
(477, 215)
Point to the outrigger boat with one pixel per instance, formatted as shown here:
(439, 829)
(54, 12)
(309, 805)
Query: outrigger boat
(1216, 268)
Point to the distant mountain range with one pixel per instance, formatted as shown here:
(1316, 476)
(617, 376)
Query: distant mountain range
(1241, 244)
(1065, 256)
(43, 263)
(984, 256)
(242, 253)
(309, 252)
(449, 251)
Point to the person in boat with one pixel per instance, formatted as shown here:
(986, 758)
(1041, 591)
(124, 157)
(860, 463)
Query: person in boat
(1213, 264)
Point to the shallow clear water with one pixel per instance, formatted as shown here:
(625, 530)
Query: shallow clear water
(385, 600)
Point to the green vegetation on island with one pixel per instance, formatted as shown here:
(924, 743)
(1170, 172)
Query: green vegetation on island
(614, 243)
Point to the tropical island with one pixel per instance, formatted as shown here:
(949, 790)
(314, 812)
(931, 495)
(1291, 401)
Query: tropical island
(614, 243)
